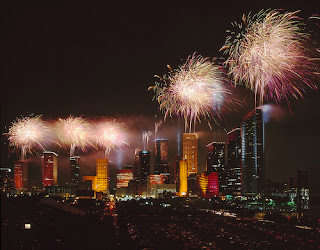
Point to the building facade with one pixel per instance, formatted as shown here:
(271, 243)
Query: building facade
(144, 166)
(49, 169)
(20, 175)
(234, 162)
(161, 157)
(102, 176)
(74, 171)
(216, 163)
(253, 148)
(190, 151)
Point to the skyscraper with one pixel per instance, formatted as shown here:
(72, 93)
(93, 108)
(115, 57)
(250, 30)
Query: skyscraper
(216, 163)
(253, 161)
(144, 166)
(234, 162)
(190, 152)
(5, 180)
(20, 174)
(102, 180)
(161, 156)
(49, 169)
(74, 171)
(183, 178)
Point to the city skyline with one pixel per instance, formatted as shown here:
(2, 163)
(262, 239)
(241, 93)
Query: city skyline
(81, 89)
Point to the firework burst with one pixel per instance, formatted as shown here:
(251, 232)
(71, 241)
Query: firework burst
(74, 132)
(110, 134)
(193, 90)
(271, 55)
(27, 133)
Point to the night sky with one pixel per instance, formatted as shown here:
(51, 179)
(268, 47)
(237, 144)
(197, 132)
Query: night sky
(99, 60)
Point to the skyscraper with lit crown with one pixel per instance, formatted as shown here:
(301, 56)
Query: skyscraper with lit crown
(190, 152)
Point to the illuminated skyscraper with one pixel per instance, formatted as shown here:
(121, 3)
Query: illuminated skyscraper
(183, 178)
(190, 152)
(253, 161)
(161, 157)
(144, 166)
(49, 169)
(216, 163)
(74, 171)
(102, 180)
(234, 162)
(21, 175)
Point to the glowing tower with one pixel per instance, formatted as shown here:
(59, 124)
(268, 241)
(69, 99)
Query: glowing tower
(49, 169)
(183, 178)
(102, 177)
(190, 152)
(21, 174)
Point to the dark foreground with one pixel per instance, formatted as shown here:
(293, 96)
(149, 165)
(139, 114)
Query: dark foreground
(136, 225)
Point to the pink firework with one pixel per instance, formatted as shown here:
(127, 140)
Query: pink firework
(272, 56)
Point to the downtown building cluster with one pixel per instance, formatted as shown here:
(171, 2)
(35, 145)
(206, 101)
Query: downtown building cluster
(235, 168)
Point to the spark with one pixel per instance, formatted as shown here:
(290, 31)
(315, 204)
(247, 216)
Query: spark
(74, 132)
(271, 55)
(27, 133)
(193, 90)
(110, 134)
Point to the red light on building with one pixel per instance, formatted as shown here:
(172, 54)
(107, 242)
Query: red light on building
(49, 168)
(156, 179)
(213, 184)
(20, 174)
(123, 177)
(208, 184)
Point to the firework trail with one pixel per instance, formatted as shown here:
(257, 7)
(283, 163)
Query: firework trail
(145, 139)
(74, 132)
(272, 56)
(27, 133)
(157, 125)
(193, 90)
(110, 134)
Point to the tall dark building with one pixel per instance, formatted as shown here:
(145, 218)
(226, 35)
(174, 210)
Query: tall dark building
(144, 166)
(5, 180)
(253, 160)
(234, 162)
(216, 163)
(74, 171)
(161, 158)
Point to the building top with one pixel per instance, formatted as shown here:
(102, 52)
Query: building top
(50, 152)
(251, 113)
